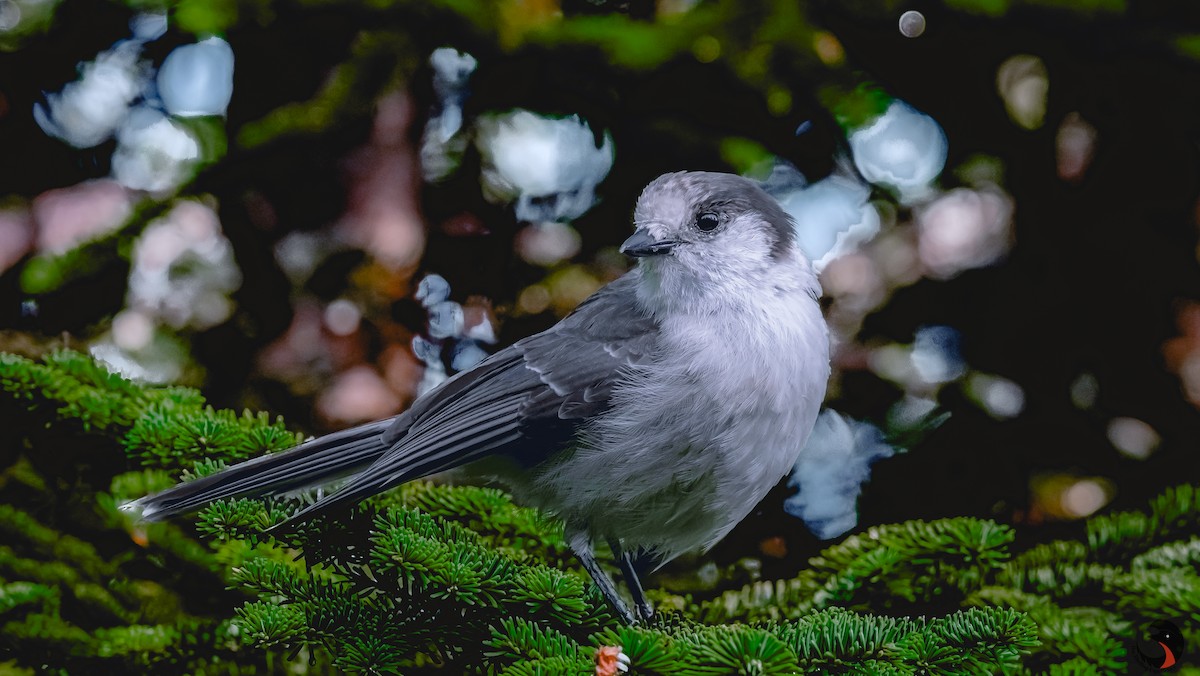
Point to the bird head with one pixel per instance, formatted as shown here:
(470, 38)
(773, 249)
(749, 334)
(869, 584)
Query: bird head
(706, 235)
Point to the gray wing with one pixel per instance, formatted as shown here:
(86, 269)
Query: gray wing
(526, 401)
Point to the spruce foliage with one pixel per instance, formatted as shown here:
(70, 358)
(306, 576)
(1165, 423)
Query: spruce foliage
(453, 579)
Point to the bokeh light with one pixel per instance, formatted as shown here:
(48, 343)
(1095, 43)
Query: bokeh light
(1084, 391)
(358, 394)
(1084, 498)
(197, 79)
(547, 243)
(154, 153)
(549, 166)
(1075, 145)
(1064, 496)
(831, 471)
(912, 24)
(1024, 84)
(1132, 437)
(382, 216)
(903, 149)
(441, 144)
(1000, 397)
(88, 111)
(16, 235)
(67, 217)
(183, 269)
(342, 317)
(963, 229)
(832, 217)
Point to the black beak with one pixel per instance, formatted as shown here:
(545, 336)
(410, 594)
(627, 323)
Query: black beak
(640, 244)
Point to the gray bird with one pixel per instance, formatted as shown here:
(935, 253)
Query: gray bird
(654, 417)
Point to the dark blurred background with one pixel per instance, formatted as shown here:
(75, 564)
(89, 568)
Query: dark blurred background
(267, 243)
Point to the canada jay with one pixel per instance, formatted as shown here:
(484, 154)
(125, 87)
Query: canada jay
(654, 417)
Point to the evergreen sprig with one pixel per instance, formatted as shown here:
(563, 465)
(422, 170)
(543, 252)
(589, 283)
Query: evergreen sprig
(460, 578)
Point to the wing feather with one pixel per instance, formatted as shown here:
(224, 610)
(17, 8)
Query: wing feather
(526, 401)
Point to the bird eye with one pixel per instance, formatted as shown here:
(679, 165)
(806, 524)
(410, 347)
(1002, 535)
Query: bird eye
(707, 222)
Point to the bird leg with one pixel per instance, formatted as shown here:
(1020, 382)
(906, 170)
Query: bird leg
(625, 560)
(581, 544)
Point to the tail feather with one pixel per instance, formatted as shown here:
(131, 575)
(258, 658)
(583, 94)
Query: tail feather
(311, 463)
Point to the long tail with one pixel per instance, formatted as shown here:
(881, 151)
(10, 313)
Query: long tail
(312, 463)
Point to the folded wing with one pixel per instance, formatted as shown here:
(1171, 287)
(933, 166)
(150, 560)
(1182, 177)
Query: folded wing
(526, 401)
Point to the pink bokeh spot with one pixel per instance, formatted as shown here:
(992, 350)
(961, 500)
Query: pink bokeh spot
(67, 217)
(383, 217)
(358, 394)
(16, 236)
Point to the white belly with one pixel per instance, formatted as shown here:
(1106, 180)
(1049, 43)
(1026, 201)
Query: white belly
(693, 443)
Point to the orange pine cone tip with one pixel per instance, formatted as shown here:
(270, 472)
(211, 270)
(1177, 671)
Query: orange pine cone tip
(139, 537)
(608, 660)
